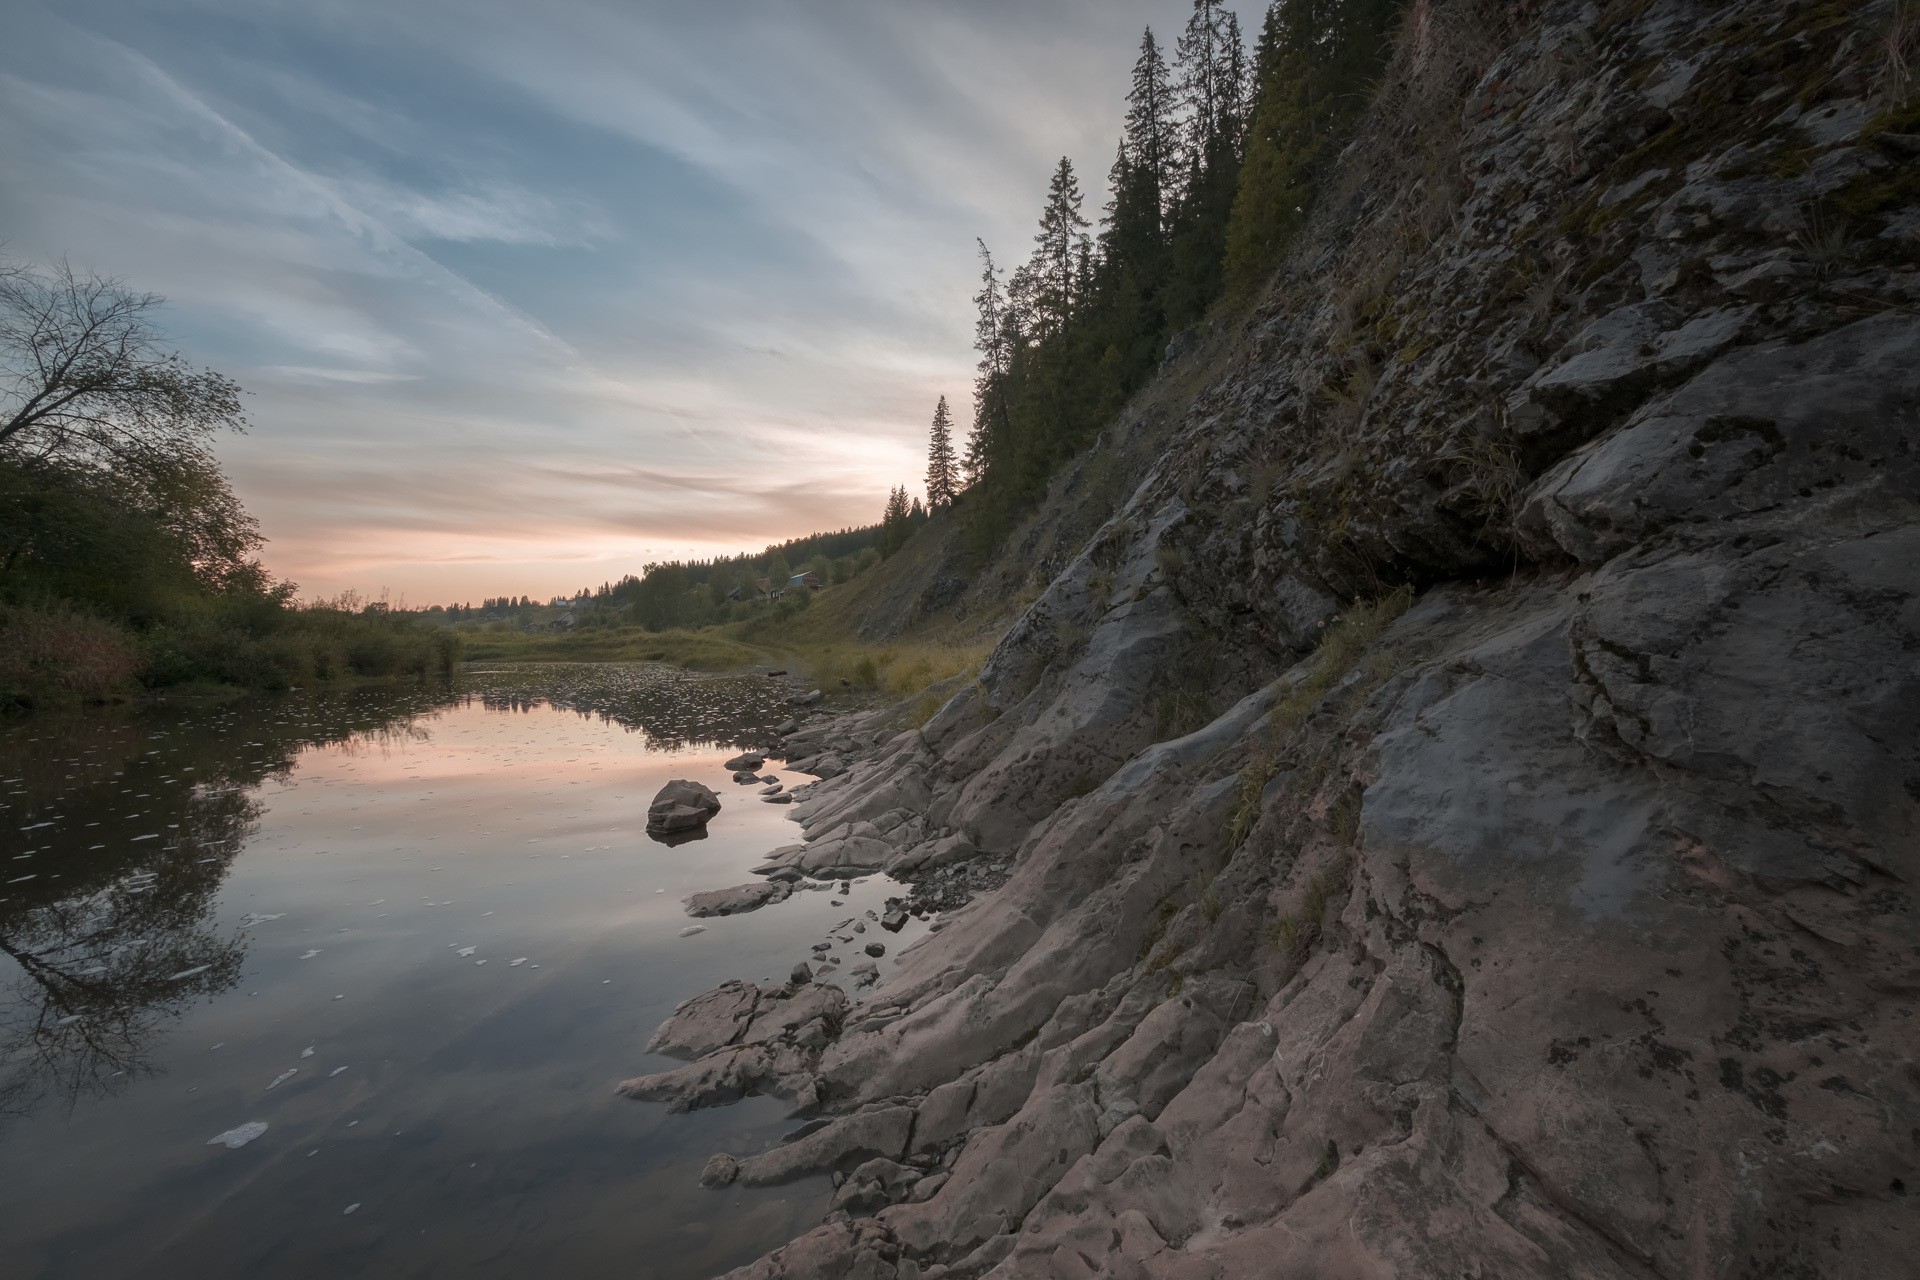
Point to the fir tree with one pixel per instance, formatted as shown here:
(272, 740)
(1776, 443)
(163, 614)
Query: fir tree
(1056, 253)
(1313, 63)
(1151, 144)
(942, 482)
(1211, 77)
(991, 340)
(896, 523)
(1211, 82)
(1069, 334)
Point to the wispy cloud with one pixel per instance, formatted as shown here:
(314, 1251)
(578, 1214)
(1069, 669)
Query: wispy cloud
(527, 295)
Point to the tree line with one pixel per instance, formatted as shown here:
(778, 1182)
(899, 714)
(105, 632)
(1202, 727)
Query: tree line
(125, 558)
(1221, 150)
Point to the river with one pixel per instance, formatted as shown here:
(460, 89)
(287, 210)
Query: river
(416, 934)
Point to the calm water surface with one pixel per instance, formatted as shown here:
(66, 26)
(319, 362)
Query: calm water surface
(418, 935)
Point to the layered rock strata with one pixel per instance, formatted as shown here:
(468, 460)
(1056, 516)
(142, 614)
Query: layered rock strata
(1534, 894)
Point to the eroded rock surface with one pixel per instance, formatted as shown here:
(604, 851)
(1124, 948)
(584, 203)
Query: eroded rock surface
(1536, 894)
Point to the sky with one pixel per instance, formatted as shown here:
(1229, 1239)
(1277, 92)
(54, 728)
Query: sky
(527, 295)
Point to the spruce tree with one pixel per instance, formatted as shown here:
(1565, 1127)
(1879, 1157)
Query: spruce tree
(1210, 75)
(896, 521)
(1151, 142)
(942, 482)
(991, 340)
(1056, 253)
(1210, 81)
(1314, 62)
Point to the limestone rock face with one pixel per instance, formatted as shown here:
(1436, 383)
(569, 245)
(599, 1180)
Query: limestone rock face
(1534, 893)
(681, 806)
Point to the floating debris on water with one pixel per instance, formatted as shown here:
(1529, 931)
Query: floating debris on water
(238, 1136)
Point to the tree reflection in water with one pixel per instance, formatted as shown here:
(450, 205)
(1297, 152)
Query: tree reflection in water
(111, 933)
(676, 710)
(117, 830)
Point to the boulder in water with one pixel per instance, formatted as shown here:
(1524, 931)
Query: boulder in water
(681, 806)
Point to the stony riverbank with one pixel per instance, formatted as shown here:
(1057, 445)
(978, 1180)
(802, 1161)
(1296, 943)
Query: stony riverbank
(1459, 818)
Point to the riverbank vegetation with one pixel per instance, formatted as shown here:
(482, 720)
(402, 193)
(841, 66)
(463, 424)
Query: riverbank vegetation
(126, 562)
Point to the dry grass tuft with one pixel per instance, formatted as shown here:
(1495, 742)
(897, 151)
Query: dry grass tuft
(1899, 53)
(59, 654)
(897, 670)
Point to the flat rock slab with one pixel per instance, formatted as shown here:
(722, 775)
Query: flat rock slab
(739, 899)
(857, 853)
(707, 1022)
(879, 1131)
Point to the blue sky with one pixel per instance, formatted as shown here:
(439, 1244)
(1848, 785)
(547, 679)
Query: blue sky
(528, 294)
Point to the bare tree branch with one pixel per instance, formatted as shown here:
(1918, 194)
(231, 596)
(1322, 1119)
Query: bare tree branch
(86, 374)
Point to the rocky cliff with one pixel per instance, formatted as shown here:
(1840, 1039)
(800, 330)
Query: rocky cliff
(1534, 893)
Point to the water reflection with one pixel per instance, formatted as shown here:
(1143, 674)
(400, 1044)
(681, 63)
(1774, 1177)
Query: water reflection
(122, 828)
(677, 710)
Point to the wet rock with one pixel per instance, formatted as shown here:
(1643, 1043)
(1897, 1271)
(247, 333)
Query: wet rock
(715, 1080)
(745, 775)
(783, 798)
(718, 1172)
(681, 806)
(878, 1131)
(801, 975)
(746, 762)
(740, 898)
(876, 949)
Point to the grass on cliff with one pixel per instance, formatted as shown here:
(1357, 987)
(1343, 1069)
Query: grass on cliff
(1340, 651)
